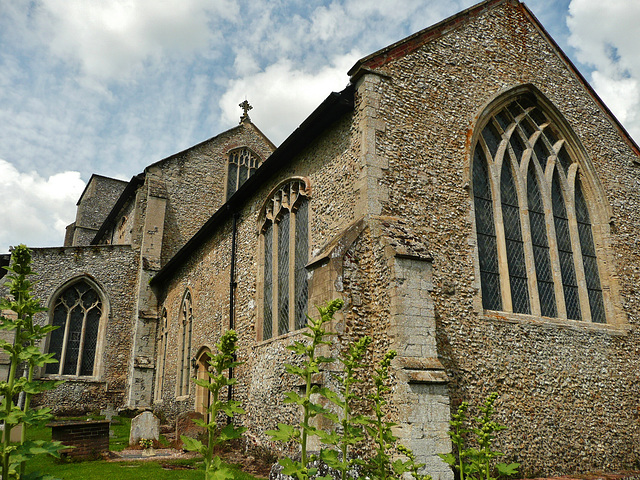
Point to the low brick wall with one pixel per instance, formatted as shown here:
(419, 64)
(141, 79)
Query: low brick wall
(89, 438)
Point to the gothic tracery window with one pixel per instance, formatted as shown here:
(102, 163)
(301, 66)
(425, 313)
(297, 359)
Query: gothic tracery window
(535, 239)
(285, 234)
(242, 164)
(186, 329)
(77, 312)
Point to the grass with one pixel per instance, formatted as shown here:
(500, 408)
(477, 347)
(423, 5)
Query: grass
(191, 469)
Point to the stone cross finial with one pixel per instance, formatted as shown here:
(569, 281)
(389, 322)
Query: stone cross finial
(246, 106)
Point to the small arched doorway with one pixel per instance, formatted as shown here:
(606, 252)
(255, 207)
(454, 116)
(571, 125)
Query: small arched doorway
(203, 395)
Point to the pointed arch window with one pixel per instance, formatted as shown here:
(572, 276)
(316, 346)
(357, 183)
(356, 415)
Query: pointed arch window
(77, 312)
(186, 329)
(535, 239)
(242, 164)
(285, 247)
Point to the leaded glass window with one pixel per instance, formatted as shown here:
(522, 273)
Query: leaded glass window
(285, 234)
(529, 262)
(589, 259)
(485, 230)
(186, 328)
(513, 240)
(242, 164)
(76, 312)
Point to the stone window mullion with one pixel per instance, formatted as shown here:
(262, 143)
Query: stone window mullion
(65, 342)
(82, 338)
(577, 250)
(501, 244)
(292, 272)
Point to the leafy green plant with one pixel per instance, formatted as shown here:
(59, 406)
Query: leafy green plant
(352, 431)
(310, 365)
(23, 349)
(215, 469)
(475, 463)
(380, 466)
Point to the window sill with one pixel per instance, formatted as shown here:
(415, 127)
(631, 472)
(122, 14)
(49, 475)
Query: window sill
(72, 378)
(548, 322)
(280, 338)
(182, 398)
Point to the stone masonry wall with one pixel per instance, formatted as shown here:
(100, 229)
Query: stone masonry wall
(568, 391)
(94, 206)
(114, 269)
(261, 380)
(196, 183)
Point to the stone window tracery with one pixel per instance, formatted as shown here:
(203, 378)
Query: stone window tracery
(186, 329)
(285, 245)
(536, 250)
(77, 313)
(242, 164)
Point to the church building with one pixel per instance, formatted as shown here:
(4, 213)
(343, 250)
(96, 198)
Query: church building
(468, 195)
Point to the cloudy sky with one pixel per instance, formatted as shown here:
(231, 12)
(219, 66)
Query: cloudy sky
(110, 86)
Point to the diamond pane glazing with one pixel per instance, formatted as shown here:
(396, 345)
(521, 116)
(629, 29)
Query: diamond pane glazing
(232, 178)
(90, 341)
(513, 238)
(283, 275)
(517, 145)
(301, 258)
(564, 158)
(597, 306)
(57, 336)
(76, 318)
(538, 227)
(541, 151)
(267, 326)
(492, 138)
(485, 229)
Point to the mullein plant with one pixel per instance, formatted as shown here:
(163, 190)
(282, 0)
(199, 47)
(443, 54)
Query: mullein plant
(475, 463)
(219, 364)
(23, 350)
(351, 431)
(310, 366)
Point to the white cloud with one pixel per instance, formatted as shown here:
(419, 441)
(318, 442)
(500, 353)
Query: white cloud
(606, 38)
(283, 95)
(114, 39)
(36, 210)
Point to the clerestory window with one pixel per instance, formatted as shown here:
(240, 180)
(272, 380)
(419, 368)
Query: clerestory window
(534, 234)
(242, 164)
(77, 312)
(186, 329)
(285, 245)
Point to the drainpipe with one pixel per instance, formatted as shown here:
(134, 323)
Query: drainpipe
(232, 289)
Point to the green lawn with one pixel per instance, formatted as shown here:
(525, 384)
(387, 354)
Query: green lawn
(100, 469)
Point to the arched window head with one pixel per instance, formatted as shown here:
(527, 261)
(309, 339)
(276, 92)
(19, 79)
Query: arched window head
(535, 240)
(77, 312)
(186, 329)
(285, 245)
(242, 164)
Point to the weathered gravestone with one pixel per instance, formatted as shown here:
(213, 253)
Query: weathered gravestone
(186, 427)
(146, 425)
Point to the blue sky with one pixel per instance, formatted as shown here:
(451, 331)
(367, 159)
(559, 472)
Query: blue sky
(111, 86)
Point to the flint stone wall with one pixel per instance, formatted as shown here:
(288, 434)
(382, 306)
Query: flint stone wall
(568, 391)
(114, 269)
